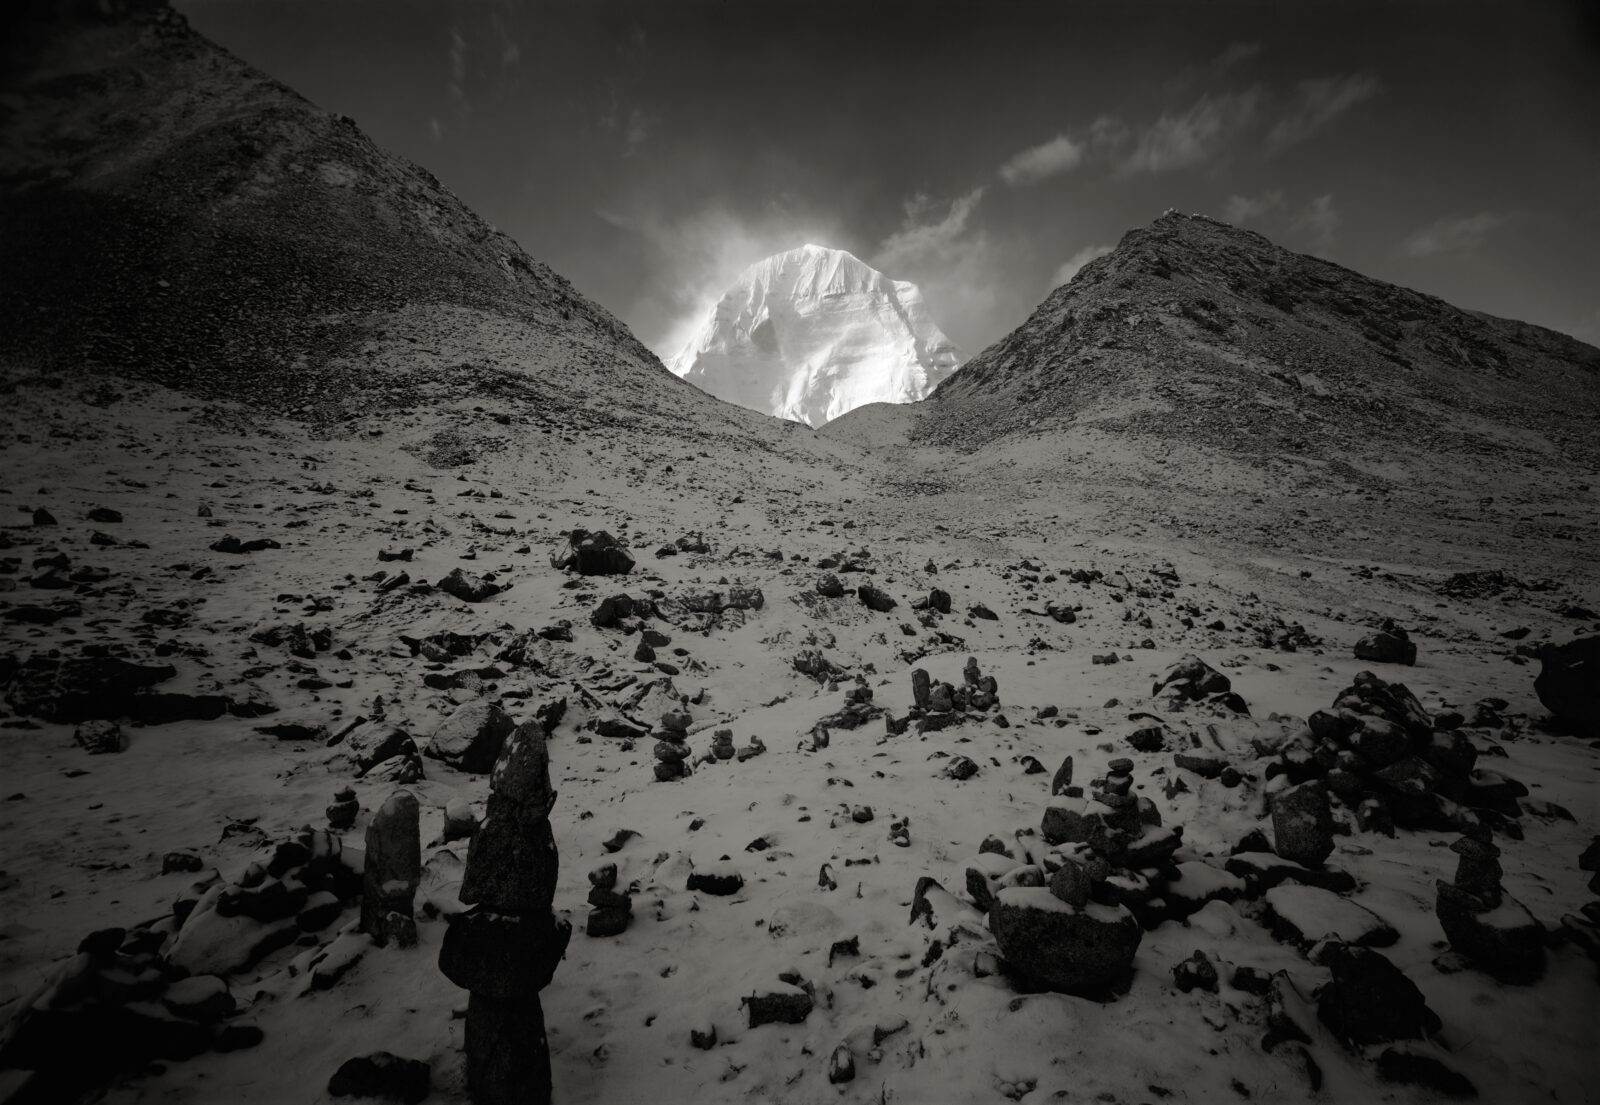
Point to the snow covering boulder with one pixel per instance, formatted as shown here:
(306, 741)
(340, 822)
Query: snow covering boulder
(1388, 645)
(1303, 915)
(1569, 679)
(371, 743)
(720, 879)
(471, 738)
(1191, 678)
(783, 1003)
(1063, 947)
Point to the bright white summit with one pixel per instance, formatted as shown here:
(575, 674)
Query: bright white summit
(813, 333)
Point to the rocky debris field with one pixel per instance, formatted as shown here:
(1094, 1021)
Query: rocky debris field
(888, 797)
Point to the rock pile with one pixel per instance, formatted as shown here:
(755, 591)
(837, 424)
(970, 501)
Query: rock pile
(1192, 680)
(1493, 930)
(505, 949)
(1380, 755)
(939, 705)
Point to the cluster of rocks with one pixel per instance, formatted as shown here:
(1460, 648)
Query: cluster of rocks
(160, 990)
(505, 949)
(1387, 645)
(1378, 753)
(722, 748)
(102, 683)
(592, 554)
(939, 705)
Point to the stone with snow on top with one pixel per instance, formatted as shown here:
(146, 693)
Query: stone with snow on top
(371, 743)
(1060, 946)
(1502, 939)
(1196, 972)
(472, 736)
(203, 998)
(983, 874)
(813, 333)
(1302, 915)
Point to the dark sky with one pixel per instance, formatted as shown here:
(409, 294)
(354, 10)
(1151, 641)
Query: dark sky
(649, 151)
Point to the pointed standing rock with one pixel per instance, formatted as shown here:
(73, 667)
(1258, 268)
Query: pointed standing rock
(394, 864)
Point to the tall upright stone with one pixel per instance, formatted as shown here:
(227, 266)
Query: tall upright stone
(393, 869)
(505, 949)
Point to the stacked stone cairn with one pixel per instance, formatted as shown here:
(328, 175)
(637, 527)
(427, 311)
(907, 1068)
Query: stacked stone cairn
(611, 911)
(672, 746)
(939, 705)
(1380, 755)
(1487, 926)
(505, 949)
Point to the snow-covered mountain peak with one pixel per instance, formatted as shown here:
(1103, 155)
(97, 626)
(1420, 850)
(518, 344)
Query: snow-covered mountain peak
(813, 332)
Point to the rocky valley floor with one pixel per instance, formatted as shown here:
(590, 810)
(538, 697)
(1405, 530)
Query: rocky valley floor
(290, 578)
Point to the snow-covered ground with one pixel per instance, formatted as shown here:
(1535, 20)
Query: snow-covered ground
(84, 837)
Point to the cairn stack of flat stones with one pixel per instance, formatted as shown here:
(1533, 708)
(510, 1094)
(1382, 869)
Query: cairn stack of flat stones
(505, 949)
(672, 746)
(1489, 928)
(611, 910)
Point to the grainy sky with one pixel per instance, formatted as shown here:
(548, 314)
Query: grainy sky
(649, 151)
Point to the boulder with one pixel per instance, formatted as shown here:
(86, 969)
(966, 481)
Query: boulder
(593, 554)
(1501, 939)
(468, 587)
(382, 1075)
(1063, 947)
(1369, 1000)
(1302, 824)
(1389, 645)
(1569, 680)
(505, 956)
(100, 737)
(471, 738)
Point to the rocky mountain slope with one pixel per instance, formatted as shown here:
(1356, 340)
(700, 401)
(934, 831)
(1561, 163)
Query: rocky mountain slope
(173, 215)
(813, 333)
(1195, 331)
(1082, 765)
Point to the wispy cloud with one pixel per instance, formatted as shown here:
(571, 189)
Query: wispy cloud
(1234, 53)
(1318, 102)
(1318, 221)
(925, 233)
(1457, 236)
(1059, 155)
(1194, 136)
(1069, 268)
(1239, 210)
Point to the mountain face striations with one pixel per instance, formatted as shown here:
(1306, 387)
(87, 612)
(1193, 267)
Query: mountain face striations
(813, 333)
